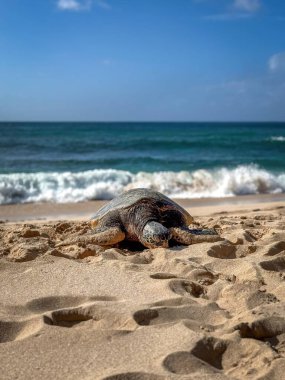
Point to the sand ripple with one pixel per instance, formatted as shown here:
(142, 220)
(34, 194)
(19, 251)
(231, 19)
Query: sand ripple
(207, 311)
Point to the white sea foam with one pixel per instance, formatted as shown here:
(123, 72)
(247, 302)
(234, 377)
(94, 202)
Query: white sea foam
(277, 138)
(106, 184)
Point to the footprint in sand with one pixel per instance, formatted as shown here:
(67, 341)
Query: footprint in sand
(184, 363)
(275, 265)
(210, 350)
(94, 313)
(162, 276)
(70, 317)
(58, 311)
(100, 316)
(187, 288)
(203, 276)
(52, 303)
(274, 248)
(260, 298)
(184, 287)
(144, 317)
(206, 356)
(223, 359)
(11, 331)
(262, 328)
(194, 315)
(222, 250)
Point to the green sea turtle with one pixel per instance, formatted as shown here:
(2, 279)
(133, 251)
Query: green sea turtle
(145, 216)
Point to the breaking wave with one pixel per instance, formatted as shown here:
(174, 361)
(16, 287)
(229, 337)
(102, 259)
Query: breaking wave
(106, 184)
(277, 138)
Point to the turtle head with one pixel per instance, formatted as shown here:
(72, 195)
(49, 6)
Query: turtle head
(155, 235)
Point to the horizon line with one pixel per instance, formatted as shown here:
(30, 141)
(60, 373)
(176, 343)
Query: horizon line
(142, 121)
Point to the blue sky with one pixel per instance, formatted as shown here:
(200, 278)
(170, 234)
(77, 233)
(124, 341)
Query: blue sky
(160, 60)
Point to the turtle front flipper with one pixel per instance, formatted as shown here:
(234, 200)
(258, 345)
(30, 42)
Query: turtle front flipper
(100, 236)
(108, 235)
(187, 236)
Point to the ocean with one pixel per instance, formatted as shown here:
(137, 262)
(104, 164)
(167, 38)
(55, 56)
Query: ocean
(71, 162)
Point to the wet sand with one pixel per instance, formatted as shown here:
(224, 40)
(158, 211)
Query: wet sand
(54, 211)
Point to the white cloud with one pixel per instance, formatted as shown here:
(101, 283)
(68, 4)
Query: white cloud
(73, 5)
(276, 62)
(237, 10)
(81, 5)
(247, 5)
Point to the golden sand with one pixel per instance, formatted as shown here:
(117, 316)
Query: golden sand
(206, 311)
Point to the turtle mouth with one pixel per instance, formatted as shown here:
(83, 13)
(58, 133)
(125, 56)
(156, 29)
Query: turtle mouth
(163, 241)
(160, 244)
(163, 244)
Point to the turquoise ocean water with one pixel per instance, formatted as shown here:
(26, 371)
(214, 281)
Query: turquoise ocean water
(63, 162)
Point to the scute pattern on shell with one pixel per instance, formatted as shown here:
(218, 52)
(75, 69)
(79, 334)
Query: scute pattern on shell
(133, 196)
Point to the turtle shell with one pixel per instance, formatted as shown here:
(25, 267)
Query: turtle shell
(129, 198)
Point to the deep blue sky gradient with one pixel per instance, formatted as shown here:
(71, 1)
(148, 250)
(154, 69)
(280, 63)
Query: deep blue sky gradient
(158, 60)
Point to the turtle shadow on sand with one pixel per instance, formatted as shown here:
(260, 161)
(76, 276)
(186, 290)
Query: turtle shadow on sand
(136, 246)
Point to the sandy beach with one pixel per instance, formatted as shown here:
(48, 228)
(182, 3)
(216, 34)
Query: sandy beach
(207, 311)
(102, 99)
